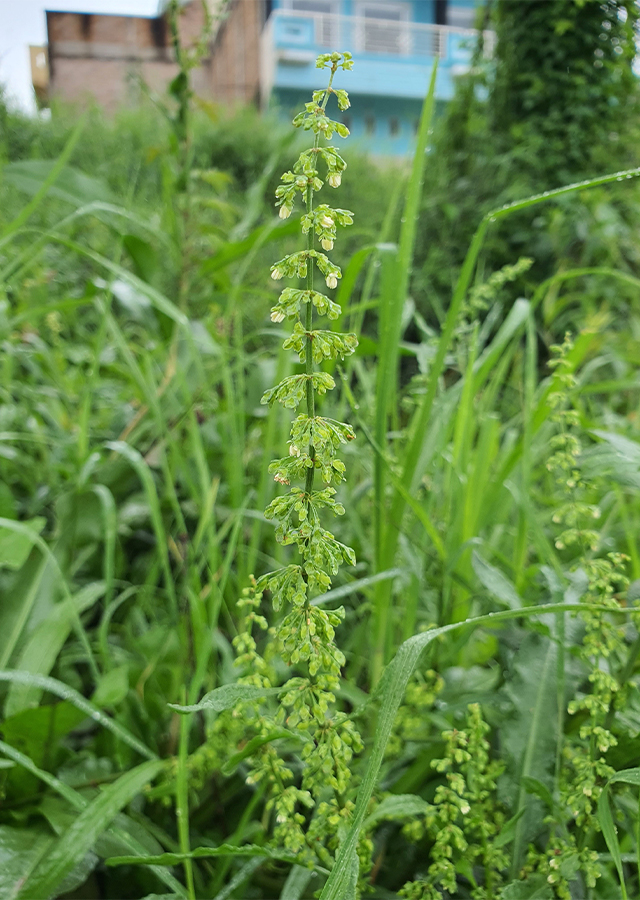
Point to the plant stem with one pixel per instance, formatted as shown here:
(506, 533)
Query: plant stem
(311, 404)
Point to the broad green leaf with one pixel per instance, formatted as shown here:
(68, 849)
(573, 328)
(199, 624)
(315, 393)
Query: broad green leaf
(226, 697)
(529, 734)
(534, 888)
(397, 806)
(143, 256)
(36, 732)
(15, 546)
(495, 582)
(21, 849)
(112, 687)
(45, 643)
(66, 693)
(81, 836)
(71, 185)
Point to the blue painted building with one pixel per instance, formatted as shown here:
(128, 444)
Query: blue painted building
(394, 44)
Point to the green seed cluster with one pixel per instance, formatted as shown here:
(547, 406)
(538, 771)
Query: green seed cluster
(464, 820)
(307, 795)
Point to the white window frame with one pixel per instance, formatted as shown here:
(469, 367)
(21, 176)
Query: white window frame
(325, 27)
(363, 10)
(288, 6)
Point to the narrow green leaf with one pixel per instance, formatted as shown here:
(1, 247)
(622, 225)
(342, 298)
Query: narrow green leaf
(15, 546)
(495, 582)
(173, 859)
(66, 693)
(81, 836)
(397, 806)
(243, 875)
(610, 833)
(230, 252)
(254, 744)
(508, 830)
(21, 615)
(79, 802)
(145, 476)
(535, 786)
(27, 211)
(226, 697)
(45, 643)
(296, 883)
(354, 586)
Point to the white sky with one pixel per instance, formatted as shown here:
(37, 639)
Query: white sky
(22, 22)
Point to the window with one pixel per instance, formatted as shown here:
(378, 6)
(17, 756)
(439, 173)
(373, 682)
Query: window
(370, 125)
(314, 6)
(461, 16)
(325, 24)
(383, 28)
(394, 127)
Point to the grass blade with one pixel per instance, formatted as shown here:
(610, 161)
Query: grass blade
(26, 212)
(66, 693)
(396, 273)
(79, 802)
(81, 836)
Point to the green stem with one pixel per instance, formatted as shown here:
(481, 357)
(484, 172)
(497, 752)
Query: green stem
(311, 403)
(182, 800)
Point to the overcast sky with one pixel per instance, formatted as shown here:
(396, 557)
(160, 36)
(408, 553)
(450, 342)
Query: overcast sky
(22, 22)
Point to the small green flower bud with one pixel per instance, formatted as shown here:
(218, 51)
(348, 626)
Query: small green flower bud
(335, 179)
(332, 281)
(285, 212)
(277, 274)
(327, 244)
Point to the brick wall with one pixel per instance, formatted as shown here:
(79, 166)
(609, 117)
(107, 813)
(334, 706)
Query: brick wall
(95, 56)
(235, 61)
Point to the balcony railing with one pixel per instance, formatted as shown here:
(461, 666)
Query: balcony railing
(364, 35)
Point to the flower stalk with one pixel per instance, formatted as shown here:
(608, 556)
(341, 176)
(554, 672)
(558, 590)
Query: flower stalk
(304, 638)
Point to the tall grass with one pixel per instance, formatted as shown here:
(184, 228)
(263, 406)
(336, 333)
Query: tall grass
(133, 456)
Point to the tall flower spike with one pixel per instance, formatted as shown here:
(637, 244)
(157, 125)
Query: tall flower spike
(305, 636)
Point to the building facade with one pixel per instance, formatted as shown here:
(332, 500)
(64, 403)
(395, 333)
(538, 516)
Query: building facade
(103, 58)
(264, 51)
(394, 44)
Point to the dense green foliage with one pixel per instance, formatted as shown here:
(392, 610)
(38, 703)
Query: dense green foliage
(558, 103)
(196, 703)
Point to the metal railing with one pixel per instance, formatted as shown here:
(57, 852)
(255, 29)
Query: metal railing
(364, 35)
